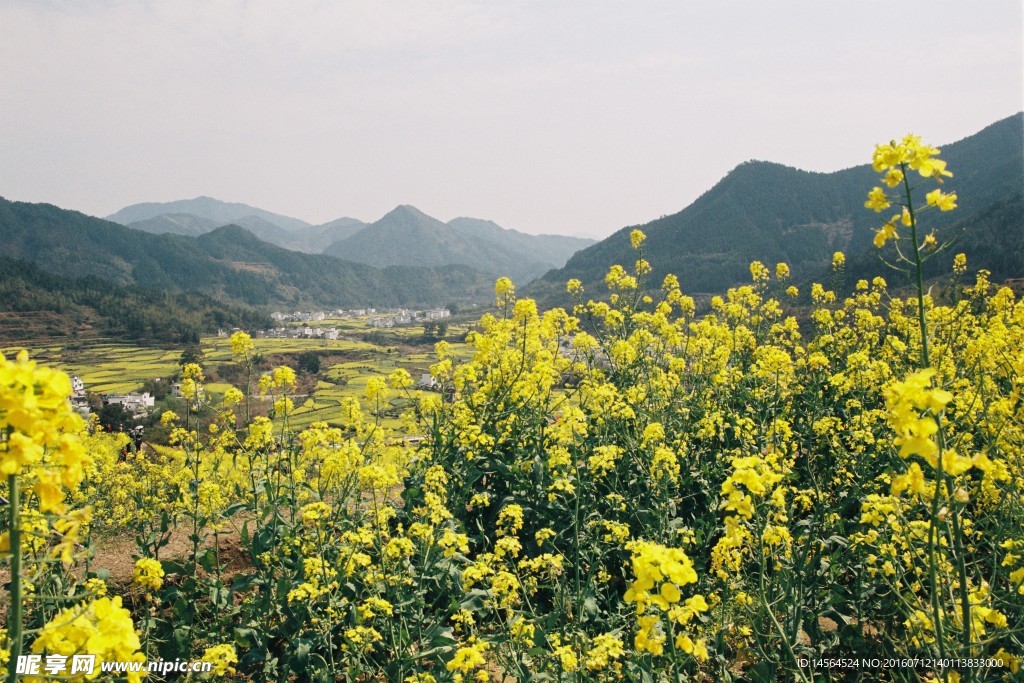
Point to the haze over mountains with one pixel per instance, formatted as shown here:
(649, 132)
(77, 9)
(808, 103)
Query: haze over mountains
(221, 213)
(203, 214)
(407, 236)
(229, 263)
(404, 237)
(769, 212)
(759, 211)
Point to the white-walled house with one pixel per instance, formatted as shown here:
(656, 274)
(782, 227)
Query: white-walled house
(434, 314)
(176, 390)
(79, 401)
(136, 404)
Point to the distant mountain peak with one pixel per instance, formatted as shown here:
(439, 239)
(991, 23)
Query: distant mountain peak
(231, 231)
(407, 210)
(206, 207)
(767, 211)
(409, 217)
(407, 236)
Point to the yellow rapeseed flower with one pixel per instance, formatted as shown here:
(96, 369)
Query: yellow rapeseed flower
(148, 573)
(223, 657)
(877, 200)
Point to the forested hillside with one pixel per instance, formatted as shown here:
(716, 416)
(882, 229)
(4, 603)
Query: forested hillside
(229, 263)
(34, 302)
(769, 212)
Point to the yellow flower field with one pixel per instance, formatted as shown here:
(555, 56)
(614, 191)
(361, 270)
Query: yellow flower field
(621, 492)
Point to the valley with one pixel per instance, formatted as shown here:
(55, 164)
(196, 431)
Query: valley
(342, 367)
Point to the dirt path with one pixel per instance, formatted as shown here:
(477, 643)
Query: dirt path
(117, 554)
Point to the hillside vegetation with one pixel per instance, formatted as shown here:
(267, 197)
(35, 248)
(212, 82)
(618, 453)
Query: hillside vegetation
(770, 212)
(229, 263)
(35, 304)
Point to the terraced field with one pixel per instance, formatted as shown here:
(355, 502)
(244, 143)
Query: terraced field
(109, 367)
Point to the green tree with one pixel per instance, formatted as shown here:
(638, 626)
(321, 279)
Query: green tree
(191, 354)
(309, 362)
(115, 418)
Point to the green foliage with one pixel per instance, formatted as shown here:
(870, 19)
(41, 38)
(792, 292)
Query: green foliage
(158, 388)
(191, 354)
(229, 263)
(131, 312)
(434, 331)
(308, 362)
(115, 418)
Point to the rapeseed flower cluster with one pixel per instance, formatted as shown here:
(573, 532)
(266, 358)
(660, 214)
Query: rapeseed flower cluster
(148, 573)
(102, 627)
(223, 658)
(660, 573)
(41, 440)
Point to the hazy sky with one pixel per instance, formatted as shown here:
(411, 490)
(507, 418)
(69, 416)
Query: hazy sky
(547, 116)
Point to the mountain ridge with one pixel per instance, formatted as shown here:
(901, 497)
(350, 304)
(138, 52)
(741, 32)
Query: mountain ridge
(203, 206)
(466, 241)
(770, 212)
(406, 236)
(229, 263)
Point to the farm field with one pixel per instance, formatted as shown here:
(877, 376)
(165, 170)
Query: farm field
(107, 367)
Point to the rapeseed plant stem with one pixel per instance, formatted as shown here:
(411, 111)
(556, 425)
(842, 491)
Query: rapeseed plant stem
(925, 363)
(15, 618)
(918, 269)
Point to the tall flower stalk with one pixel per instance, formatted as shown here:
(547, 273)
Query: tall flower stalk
(15, 620)
(898, 161)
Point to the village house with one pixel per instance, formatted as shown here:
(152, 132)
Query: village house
(135, 403)
(79, 400)
(434, 314)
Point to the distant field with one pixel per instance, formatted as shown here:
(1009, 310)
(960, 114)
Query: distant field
(108, 367)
